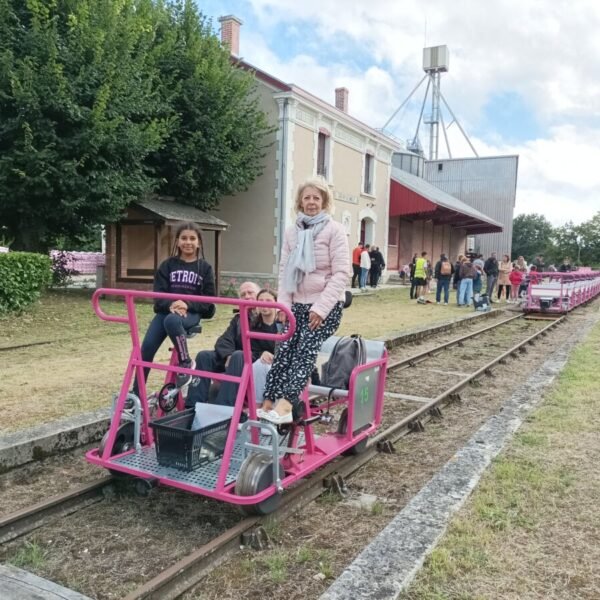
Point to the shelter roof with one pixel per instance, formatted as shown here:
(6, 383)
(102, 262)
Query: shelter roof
(172, 211)
(415, 198)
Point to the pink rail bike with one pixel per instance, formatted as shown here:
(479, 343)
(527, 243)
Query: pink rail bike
(559, 293)
(248, 463)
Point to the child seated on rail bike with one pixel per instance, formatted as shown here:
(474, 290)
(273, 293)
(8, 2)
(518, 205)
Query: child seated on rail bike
(186, 273)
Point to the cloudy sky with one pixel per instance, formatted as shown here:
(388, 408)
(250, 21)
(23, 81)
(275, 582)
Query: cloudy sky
(524, 77)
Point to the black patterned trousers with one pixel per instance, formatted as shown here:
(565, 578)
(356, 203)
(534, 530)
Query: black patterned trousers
(295, 358)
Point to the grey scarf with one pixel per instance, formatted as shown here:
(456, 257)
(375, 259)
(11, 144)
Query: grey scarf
(302, 258)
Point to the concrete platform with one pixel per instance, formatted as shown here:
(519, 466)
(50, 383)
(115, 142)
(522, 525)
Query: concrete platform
(17, 584)
(386, 567)
(20, 447)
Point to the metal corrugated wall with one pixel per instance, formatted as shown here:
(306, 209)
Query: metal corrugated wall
(488, 185)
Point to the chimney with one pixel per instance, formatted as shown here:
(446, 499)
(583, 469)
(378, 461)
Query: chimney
(341, 99)
(230, 33)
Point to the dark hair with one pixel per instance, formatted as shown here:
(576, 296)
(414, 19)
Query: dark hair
(424, 253)
(268, 291)
(257, 318)
(189, 226)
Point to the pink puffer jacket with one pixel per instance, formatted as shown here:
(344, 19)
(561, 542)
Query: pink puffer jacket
(326, 284)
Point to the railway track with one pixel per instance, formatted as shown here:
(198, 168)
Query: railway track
(187, 572)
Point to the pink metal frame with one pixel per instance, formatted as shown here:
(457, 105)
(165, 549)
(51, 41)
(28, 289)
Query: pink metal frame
(316, 452)
(573, 289)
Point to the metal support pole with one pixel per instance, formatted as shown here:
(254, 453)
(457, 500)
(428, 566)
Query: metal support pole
(403, 104)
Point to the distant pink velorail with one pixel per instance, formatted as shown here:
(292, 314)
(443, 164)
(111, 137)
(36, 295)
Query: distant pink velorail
(82, 262)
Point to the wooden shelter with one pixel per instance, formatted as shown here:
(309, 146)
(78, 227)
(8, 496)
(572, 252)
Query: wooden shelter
(138, 243)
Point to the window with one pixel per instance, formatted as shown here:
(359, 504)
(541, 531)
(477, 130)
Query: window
(368, 182)
(323, 154)
(440, 166)
(392, 236)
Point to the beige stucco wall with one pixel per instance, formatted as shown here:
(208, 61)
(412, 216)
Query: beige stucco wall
(303, 164)
(247, 246)
(251, 244)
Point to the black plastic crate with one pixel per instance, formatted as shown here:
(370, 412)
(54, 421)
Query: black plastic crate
(183, 448)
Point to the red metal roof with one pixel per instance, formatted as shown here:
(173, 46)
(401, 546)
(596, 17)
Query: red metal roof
(413, 206)
(403, 201)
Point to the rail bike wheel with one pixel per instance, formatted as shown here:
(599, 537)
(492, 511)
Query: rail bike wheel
(359, 447)
(256, 475)
(123, 443)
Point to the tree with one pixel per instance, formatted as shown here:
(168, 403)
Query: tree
(589, 241)
(79, 113)
(216, 144)
(104, 102)
(532, 235)
(567, 243)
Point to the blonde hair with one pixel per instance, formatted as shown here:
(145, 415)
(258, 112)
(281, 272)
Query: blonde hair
(319, 184)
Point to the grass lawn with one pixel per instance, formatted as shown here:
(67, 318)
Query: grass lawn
(532, 528)
(83, 363)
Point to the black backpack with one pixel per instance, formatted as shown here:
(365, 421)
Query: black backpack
(348, 352)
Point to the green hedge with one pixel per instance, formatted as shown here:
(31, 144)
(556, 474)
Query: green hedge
(23, 276)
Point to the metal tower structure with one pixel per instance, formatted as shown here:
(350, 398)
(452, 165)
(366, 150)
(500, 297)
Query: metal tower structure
(435, 62)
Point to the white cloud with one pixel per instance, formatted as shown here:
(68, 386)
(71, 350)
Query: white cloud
(544, 51)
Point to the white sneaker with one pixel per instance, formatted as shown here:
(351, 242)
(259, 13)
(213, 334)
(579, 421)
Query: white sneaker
(274, 417)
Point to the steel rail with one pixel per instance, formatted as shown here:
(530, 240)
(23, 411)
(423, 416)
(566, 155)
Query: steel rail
(426, 408)
(187, 572)
(420, 356)
(31, 517)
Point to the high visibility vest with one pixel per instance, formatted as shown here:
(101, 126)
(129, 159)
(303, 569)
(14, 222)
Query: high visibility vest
(420, 266)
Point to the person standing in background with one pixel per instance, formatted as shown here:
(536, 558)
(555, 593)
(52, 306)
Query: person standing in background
(413, 263)
(443, 274)
(467, 274)
(504, 270)
(456, 279)
(539, 263)
(490, 269)
(365, 265)
(377, 266)
(356, 263)
(420, 277)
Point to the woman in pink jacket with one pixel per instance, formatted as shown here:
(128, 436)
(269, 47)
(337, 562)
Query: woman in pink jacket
(313, 274)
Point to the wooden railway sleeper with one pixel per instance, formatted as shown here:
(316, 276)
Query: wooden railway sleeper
(386, 447)
(257, 538)
(416, 426)
(336, 484)
(436, 412)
